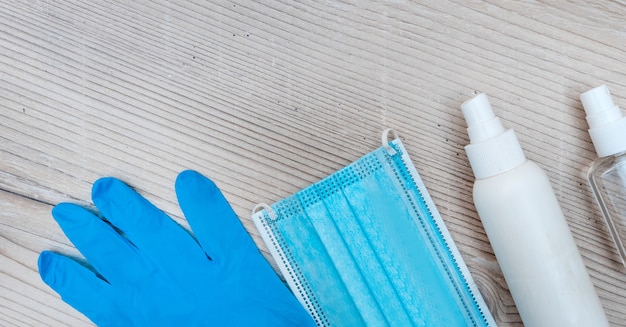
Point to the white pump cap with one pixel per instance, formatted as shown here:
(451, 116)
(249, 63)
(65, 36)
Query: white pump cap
(492, 149)
(607, 124)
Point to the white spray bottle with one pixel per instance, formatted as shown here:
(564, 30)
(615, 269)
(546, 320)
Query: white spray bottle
(607, 175)
(526, 227)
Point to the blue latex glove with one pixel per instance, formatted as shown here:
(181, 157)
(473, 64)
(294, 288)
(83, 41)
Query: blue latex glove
(158, 274)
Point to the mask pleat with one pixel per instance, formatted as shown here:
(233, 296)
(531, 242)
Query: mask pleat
(382, 229)
(349, 272)
(314, 267)
(363, 242)
(413, 243)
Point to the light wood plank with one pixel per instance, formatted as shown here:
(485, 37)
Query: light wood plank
(266, 98)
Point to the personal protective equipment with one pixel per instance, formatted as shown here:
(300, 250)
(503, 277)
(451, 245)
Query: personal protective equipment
(149, 271)
(367, 247)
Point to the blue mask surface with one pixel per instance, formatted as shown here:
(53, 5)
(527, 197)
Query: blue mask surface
(367, 247)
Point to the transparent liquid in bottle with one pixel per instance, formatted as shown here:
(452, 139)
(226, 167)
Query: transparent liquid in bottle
(607, 178)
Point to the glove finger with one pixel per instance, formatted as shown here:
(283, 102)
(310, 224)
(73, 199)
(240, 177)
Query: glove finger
(109, 253)
(154, 234)
(213, 221)
(77, 285)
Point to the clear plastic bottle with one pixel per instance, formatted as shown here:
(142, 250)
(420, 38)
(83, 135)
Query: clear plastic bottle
(607, 175)
(526, 227)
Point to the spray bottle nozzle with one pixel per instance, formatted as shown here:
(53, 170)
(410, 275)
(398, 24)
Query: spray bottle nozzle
(482, 124)
(599, 107)
(607, 124)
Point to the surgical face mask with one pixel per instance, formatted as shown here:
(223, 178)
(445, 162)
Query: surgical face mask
(367, 247)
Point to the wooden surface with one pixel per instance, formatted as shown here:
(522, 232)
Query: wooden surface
(268, 98)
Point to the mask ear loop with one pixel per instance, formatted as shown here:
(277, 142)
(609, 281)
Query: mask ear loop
(263, 206)
(385, 141)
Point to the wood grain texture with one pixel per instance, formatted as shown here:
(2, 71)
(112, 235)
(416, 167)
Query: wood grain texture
(268, 98)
